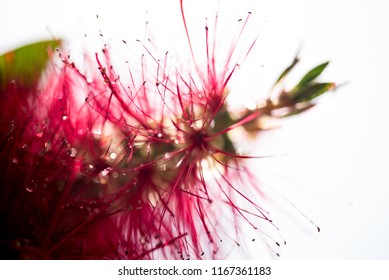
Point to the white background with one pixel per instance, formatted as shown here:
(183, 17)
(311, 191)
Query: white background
(335, 157)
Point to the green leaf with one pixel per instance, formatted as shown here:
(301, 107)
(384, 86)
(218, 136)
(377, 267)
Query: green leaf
(25, 64)
(311, 75)
(287, 70)
(311, 91)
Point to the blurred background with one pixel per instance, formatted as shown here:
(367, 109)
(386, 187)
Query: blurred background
(332, 161)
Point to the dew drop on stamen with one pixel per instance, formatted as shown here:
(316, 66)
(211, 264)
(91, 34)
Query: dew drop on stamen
(159, 135)
(103, 176)
(143, 240)
(72, 152)
(91, 167)
(64, 117)
(48, 145)
(39, 134)
(113, 156)
(32, 186)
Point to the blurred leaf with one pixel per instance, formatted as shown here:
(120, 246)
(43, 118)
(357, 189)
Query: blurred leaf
(25, 64)
(311, 91)
(295, 111)
(287, 70)
(311, 75)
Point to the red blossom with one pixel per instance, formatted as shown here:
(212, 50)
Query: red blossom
(95, 167)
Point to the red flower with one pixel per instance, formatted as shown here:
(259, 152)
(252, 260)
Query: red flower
(98, 168)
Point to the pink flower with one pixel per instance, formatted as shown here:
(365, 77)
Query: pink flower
(95, 167)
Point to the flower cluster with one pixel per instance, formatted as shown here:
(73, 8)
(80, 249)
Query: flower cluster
(95, 167)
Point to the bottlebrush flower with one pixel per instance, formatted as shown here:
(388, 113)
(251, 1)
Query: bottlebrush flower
(97, 167)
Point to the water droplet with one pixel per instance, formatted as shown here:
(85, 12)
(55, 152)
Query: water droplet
(159, 135)
(176, 141)
(103, 176)
(91, 167)
(64, 117)
(39, 134)
(48, 146)
(32, 186)
(113, 155)
(143, 240)
(97, 132)
(105, 172)
(72, 152)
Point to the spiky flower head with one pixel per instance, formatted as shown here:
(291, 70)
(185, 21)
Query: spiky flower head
(96, 166)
